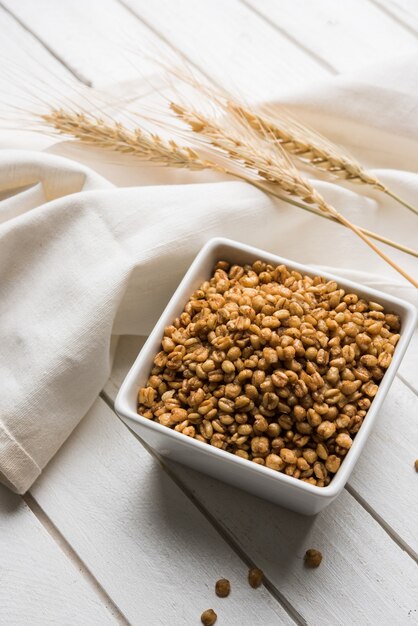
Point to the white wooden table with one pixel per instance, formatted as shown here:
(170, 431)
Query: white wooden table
(110, 535)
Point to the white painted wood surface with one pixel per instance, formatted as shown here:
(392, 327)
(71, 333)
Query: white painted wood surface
(384, 477)
(231, 44)
(359, 560)
(352, 31)
(98, 36)
(151, 549)
(112, 536)
(38, 583)
(404, 12)
(408, 370)
(350, 536)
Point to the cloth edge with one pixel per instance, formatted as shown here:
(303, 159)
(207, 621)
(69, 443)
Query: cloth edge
(19, 463)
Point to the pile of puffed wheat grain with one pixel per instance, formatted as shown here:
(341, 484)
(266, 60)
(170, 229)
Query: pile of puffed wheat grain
(273, 366)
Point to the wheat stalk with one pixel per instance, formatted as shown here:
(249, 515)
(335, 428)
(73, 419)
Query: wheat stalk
(270, 189)
(273, 168)
(150, 147)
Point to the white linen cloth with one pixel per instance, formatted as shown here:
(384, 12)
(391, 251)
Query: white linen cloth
(82, 260)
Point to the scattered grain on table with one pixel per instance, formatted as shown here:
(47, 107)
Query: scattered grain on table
(208, 617)
(313, 558)
(255, 577)
(222, 587)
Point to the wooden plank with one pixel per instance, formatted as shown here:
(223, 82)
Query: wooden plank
(39, 585)
(408, 370)
(232, 45)
(385, 477)
(405, 12)
(150, 548)
(23, 52)
(23, 58)
(346, 35)
(92, 38)
(126, 352)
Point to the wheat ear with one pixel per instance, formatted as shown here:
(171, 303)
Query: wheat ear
(312, 149)
(274, 169)
(115, 136)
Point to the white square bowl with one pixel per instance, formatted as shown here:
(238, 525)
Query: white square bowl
(261, 481)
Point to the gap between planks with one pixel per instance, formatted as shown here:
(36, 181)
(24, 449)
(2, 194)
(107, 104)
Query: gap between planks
(77, 75)
(164, 39)
(407, 384)
(382, 523)
(72, 555)
(227, 537)
(384, 9)
(322, 62)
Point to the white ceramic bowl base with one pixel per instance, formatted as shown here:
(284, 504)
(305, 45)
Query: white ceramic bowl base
(261, 481)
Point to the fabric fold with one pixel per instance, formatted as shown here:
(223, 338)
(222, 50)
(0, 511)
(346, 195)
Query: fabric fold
(18, 469)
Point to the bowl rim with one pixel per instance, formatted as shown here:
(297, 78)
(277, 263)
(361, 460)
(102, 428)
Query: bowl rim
(337, 483)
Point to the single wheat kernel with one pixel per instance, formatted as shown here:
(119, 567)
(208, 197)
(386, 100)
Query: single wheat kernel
(313, 558)
(222, 587)
(255, 577)
(208, 617)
